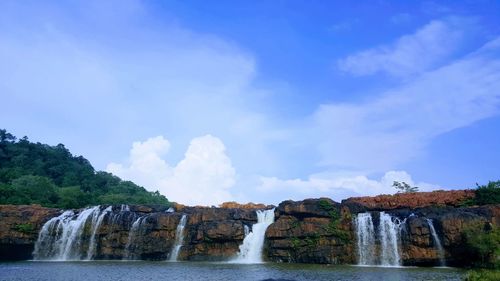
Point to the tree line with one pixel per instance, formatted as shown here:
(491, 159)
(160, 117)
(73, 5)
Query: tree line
(36, 173)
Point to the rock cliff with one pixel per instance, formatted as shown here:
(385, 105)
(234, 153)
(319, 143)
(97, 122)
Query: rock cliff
(19, 227)
(454, 198)
(311, 231)
(308, 231)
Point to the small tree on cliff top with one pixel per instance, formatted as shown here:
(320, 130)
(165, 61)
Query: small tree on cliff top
(403, 187)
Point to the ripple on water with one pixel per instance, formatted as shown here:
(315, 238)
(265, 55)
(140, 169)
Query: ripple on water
(197, 271)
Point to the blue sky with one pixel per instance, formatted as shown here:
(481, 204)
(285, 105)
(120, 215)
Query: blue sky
(212, 101)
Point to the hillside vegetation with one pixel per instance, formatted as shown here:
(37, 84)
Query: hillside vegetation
(36, 173)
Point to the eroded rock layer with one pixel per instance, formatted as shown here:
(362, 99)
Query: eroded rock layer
(430, 230)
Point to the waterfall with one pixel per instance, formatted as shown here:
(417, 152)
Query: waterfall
(366, 239)
(65, 237)
(61, 238)
(389, 231)
(49, 244)
(132, 236)
(251, 249)
(96, 223)
(179, 239)
(387, 237)
(437, 243)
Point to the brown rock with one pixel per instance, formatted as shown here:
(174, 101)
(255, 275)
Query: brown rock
(250, 205)
(413, 200)
(19, 227)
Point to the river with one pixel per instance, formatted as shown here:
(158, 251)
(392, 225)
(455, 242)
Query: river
(199, 271)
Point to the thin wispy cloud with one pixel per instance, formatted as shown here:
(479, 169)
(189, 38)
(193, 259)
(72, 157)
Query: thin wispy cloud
(411, 54)
(398, 124)
(110, 79)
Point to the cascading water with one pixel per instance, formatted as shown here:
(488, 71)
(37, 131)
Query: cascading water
(179, 239)
(61, 237)
(366, 239)
(96, 223)
(251, 249)
(437, 243)
(133, 234)
(388, 237)
(389, 231)
(64, 237)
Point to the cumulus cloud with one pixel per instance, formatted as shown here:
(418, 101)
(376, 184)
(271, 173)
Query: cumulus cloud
(410, 54)
(203, 177)
(109, 69)
(108, 76)
(337, 186)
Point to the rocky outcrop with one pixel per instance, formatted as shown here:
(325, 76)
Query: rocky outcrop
(252, 206)
(211, 233)
(19, 226)
(215, 233)
(310, 231)
(412, 200)
(420, 248)
(153, 240)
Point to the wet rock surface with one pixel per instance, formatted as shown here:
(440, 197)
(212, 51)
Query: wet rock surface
(311, 231)
(307, 231)
(19, 226)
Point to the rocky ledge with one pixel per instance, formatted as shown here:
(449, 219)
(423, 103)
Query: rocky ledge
(453, 198)
(19, 227)
(308, 231)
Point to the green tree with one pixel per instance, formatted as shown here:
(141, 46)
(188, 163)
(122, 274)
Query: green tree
(483, 245)
(488, 194)
(36, 189)
(73, 197)
(403, 187)
(52, 176)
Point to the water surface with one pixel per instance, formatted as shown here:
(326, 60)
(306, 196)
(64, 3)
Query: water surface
(199, 271)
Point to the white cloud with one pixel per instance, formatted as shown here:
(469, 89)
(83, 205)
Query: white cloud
(146, 165)
(336, 186)
(382, 133)
(116, 75)
(107, 77)
(203, 177)
(410, 54)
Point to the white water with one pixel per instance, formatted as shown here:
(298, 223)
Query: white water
(388, 238)
(96, 223)
(179, 239)
(251, 249)
(132, 236)
(437, 243)
(366, 239)
(63, 238)
(389, 241)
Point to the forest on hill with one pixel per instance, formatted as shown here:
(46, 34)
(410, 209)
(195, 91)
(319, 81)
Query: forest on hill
(36, 173)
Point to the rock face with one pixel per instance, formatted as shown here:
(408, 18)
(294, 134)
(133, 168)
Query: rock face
(210, 233)
(215, 233)
(153, 240)
(311, 231)
(418, 246)
(252, 206)
(308, 231)
(19, 226)
(413, 200)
